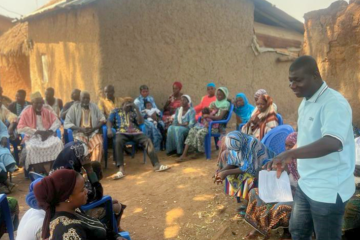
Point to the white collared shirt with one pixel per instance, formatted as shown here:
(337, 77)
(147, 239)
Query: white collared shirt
(327, 113)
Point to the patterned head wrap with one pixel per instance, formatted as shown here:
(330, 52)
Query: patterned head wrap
(292, 138)
(260, 92)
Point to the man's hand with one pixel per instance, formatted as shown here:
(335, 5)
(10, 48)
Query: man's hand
(44, 134)
(4, 142)
(279, 162)
(110, 133)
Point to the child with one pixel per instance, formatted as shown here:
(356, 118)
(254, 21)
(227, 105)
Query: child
(152, 114)
(205, 121)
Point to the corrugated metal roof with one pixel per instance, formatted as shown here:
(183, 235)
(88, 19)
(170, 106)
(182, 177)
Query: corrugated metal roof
(57, 5)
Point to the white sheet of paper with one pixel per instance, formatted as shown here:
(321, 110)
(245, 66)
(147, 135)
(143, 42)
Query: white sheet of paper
(272, 189)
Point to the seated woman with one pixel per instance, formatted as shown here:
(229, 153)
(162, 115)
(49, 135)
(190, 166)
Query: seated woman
(32, 221)
(265, 217)
(60, 195)
(76, 156)
(240, 163)
(218, 111)
(260, 92)
(263, 119)
(206, 100)
(351, 224)
(39, 125)
(7, 162)
(242, 108)
(184, 120)
(172, 104)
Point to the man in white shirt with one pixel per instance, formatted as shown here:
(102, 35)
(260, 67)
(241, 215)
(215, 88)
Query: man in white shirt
(325, 153)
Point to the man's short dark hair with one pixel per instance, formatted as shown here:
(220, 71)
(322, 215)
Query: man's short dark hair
(22, 91)
(50, 89)
(308, 63)
(144, 87)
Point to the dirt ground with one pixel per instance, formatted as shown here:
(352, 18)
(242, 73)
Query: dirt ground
(182, 203)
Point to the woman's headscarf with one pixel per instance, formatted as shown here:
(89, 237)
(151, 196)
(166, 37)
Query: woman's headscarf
(178, 84)
(30, 197)
(51, 191)
(180, 113)
(246, 152)
(293, 165)
(260, 92)
(244, 112)
(72, 156)
(223, 104)
(211, 85)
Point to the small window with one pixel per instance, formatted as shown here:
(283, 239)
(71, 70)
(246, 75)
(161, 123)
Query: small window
(44, 62)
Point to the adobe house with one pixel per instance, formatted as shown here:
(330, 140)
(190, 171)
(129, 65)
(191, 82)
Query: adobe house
(5, 24)
(87, 44)
(14, 60)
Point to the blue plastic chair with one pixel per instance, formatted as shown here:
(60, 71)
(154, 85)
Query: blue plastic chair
(6, 216)
(275, 139)
(215, 135)
(107, 201)
(280, 118)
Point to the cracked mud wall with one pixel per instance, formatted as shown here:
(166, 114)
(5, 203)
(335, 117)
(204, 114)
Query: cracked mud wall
(332, 36)
(195, 42)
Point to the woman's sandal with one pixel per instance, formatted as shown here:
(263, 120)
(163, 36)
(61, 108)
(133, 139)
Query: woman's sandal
(162, 168)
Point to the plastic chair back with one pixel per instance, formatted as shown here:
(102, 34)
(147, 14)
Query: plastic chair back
(275, 139)
(6, 216)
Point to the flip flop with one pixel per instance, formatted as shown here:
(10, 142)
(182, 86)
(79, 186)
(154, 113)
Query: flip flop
(162, 168)
(119, 175)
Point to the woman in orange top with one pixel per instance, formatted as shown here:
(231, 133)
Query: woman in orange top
(206, 100)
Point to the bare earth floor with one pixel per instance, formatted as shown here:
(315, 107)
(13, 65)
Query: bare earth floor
(182, 203)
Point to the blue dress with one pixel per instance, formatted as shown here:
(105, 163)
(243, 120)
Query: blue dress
(151, 130)
(176, 135)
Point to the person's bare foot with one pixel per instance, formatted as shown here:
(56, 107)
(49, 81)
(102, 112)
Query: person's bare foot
(251, 235)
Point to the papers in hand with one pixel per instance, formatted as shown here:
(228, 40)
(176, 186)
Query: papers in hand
(272, 189)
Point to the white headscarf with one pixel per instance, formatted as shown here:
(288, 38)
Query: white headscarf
(180, 113)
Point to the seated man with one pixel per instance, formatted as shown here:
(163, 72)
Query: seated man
(126, 121)
(110, 102)
(85, 119)
(55, 103)
(7, 162)
(75, 96)
(39, 125)
(20, 103)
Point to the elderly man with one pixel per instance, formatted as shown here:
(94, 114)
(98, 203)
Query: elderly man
(85, 119)
(75, 97)
(55, 103)
(126, 121)
(39, 125)
(155, 133)
(17, 106)
(110, 102)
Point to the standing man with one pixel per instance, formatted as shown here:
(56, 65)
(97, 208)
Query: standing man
(55, 103)
(75, 97)
(110, 102)
(20, 103)
(325, 153)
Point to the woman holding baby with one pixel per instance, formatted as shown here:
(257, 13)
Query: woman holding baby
(217, 110)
